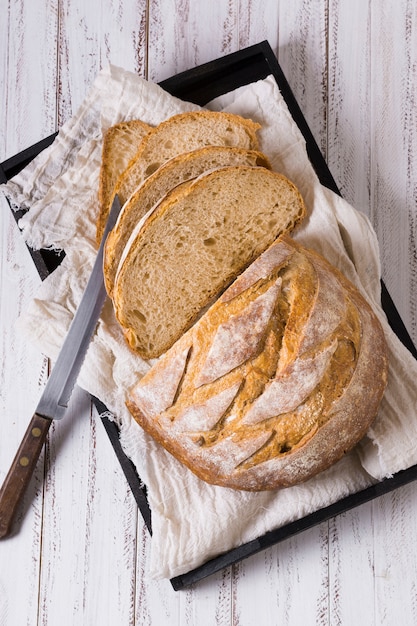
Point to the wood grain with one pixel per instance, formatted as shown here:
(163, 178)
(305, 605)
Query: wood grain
(303, 56)
(82, 552)
(30, 76)
(26, 115)
(393, 148)
(21, 368)
(277, 578)
(349, 100)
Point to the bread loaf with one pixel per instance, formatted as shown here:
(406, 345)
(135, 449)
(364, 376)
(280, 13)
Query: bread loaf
(181, 133)
(190, 247)
(275, 382)
(183, 167)
(120, 144)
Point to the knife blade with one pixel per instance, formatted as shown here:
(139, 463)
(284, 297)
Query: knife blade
(56, 395)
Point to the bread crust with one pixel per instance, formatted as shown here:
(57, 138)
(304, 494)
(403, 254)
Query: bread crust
(329, 366)
(119, 141)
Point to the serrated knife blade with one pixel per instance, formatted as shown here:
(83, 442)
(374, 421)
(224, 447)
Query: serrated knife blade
(58, 389)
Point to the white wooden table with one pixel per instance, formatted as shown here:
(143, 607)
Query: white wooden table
(81, 554)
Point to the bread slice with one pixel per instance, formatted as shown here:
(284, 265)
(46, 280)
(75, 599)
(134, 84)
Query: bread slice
(190, 247)
(275, 382)
(120, 144)
(183, 167)
(181, 133)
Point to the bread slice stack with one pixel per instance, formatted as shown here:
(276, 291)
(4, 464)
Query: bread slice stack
(185, 166)
(180, 133)
(200, 202)
(270, 365)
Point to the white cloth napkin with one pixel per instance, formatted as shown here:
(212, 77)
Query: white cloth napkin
(193, 521)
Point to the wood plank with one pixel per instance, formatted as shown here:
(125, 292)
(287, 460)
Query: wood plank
(22, 375)
(28, 80)
(289, 582)
(303, 57)
(348, 155)
(362, 69)
(64, 525)
(394, 145)
(351, 568)
(28, 104)
(349, 111)
(91, 35)
(78, 62)
(258, 23)
(110, 540)
(89, 525)
(193, 21)
(155, 602)
(207, 602)
(394, 525)
(122, 34)
(181, 43)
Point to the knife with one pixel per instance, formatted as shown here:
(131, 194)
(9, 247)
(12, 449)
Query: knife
(58, 389)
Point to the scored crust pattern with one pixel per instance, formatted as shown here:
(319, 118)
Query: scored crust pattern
(279, 379)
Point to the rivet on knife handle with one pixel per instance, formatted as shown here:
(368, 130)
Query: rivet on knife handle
(21, 471)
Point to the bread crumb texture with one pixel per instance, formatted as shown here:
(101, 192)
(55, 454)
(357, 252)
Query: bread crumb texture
(181, 168)
(181, 133)
(198, 239)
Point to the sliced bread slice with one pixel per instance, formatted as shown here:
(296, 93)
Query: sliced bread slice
(181, 133)
(120, 144)
(192, 245)
(185, 166)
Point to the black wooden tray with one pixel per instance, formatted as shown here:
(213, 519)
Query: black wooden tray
(200, 85)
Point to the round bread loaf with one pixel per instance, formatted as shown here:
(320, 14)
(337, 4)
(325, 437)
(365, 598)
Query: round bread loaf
(279, 379)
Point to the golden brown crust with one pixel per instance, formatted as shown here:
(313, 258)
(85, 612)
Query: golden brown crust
(120, 143)
(276, 382)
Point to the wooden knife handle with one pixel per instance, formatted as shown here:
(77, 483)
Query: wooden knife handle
(21, 471)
